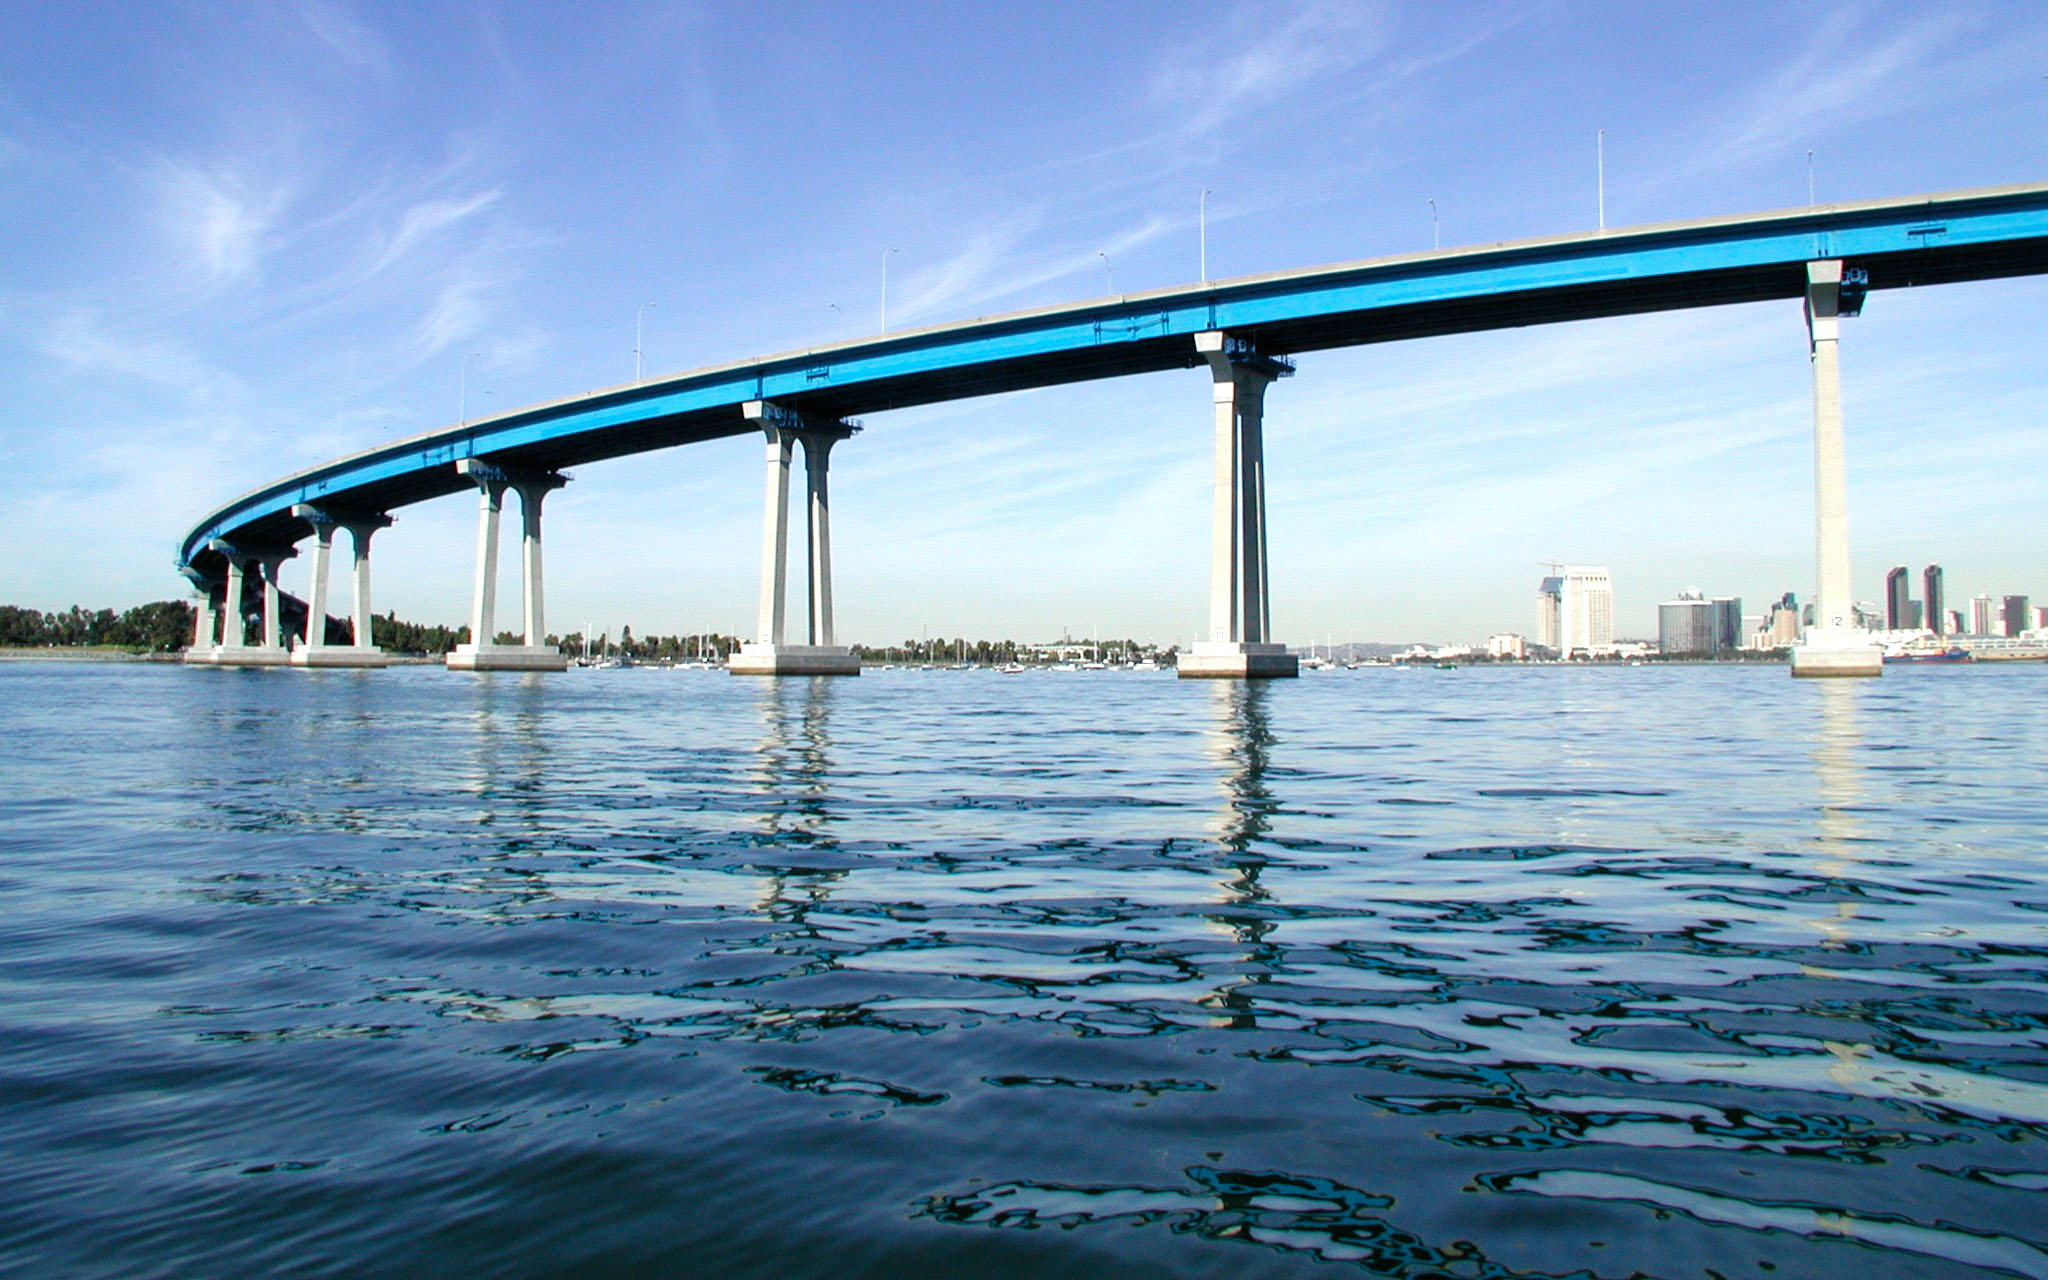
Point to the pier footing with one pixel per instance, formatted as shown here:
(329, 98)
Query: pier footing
(1837, 651)
(338, 655)
(507, 657)
(238, 655)
(793, 660)
(1237, 660)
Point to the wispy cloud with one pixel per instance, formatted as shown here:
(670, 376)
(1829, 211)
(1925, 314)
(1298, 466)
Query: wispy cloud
(349, 40)
(1845, 73)
(224, 221)
(996, 264)
(1264, 55)
(422, 220)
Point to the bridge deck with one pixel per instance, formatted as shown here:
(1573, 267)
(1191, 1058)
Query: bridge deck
(1936, 239)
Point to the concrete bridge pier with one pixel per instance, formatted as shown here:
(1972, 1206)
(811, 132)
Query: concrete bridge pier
(533, 653)
(771, 654)
(314, 651)
(1835, 645)
(1240, 608)
(205, 617)
(234, 650)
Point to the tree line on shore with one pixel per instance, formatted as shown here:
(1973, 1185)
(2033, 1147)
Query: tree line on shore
(162, 626)
(165, 626)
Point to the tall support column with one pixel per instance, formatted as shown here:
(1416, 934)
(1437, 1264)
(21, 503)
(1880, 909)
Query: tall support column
(316, 652)
(205, 616)
(1837, 646)
(483, 653)
(533, 489)
(202, 618)
(774, 535)
(817, 516)
(1240, 609)
(234, 649)
(316, 597)
(272, 602)
(360, 530)
(772, 654)
(234, 627)
(483, 602)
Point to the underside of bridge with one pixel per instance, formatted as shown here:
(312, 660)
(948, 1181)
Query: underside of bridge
(1876, 245)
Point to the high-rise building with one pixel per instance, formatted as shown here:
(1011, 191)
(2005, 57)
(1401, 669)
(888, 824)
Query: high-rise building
(1984, 619)
(2017, 618)
(1953, 624)
(1585, 614)
(1898, 596)
(1549, 604)
(1930, 591)
(1727, 623)
(1685, 625)
(1783, 622)
(2040, 617)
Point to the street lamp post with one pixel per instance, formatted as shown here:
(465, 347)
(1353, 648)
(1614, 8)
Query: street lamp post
(1436, 239)
(1108, 278)
(1205, 235)
(639, 323)
(885, 289)
(1600, 165)
(462, 389)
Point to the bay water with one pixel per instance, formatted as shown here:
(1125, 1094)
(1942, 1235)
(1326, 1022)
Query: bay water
(1659, 971)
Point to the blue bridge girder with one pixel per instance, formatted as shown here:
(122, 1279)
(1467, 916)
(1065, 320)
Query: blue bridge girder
(1896, 243)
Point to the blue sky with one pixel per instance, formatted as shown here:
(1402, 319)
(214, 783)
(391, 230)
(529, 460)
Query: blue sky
(245, 238)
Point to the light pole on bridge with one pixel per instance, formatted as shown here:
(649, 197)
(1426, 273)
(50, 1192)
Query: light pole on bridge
(885, 289)
(462, 390)
(639, 322)
(1205, 235)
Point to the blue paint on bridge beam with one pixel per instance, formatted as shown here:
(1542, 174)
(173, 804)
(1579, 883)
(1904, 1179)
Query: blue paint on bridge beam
(1967, 235)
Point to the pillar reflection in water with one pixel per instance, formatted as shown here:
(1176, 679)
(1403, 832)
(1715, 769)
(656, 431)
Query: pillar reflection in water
(1240, 745)
(1838, 776)
(792, 773)
(507, 773)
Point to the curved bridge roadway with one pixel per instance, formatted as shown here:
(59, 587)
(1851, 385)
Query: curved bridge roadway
(1242, 329)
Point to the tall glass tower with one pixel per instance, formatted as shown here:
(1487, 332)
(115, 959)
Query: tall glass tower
(1930, 590)
(1898, 599)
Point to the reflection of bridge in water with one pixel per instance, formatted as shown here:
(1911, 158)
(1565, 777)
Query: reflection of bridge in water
(1242, 332)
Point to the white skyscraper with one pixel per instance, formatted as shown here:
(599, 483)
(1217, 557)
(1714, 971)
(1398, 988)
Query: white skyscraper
(1585, 611)
(1984, 617)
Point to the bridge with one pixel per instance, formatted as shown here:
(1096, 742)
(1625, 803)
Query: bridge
(1240, 331)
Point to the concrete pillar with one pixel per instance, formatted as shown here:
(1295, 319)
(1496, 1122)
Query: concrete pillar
(817, 452)
(268, 567)
(1835, 646)
(482, 653)
(316, 652)
(234, 628)
(1830, 472)
(202, 620)
(359, 532)
(316, 597)
(774, 535)
(1240, 608)
(483, 606)
(234, 649)
(532, 491)
(772, 654)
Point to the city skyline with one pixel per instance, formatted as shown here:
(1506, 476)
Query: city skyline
(272, 236)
